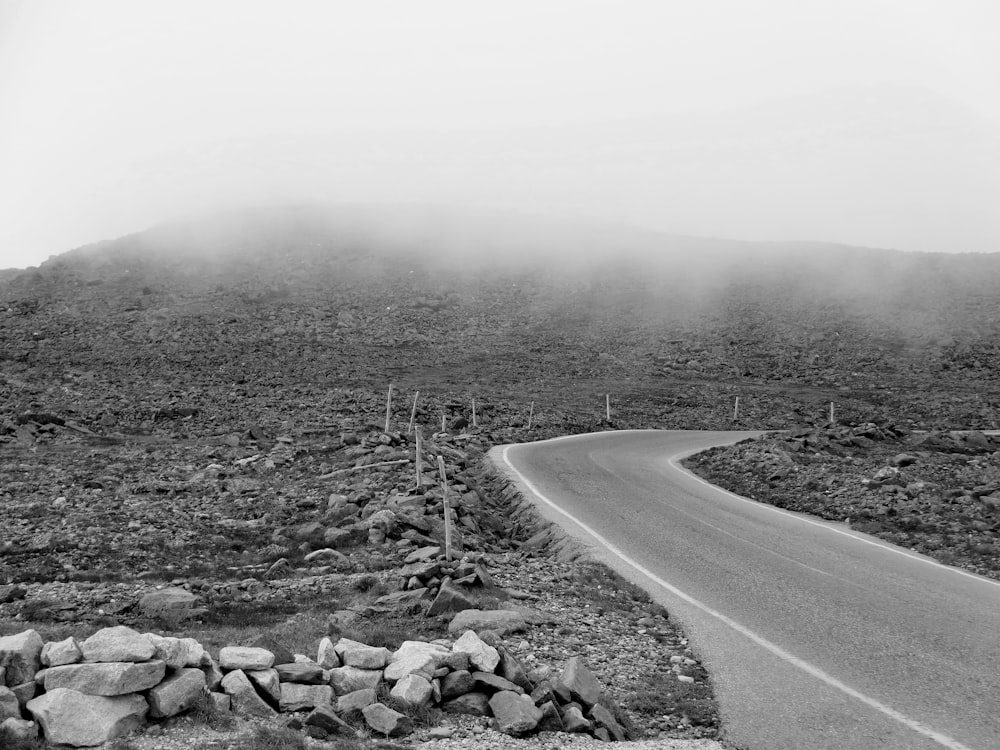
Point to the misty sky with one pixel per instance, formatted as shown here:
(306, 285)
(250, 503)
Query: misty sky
(118, 115)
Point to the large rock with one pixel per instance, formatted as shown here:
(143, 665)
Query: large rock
(58, 653)
(327, 656)
(245, 658)
(450, 598)
(604, 718)
(348, 679)
(357, 700)
(20, 656)
(183, 689)
(25, 691)
(267, 682)
(501, 620)
(117, 644)
(301, 672)
(413, 691)
(515, 713)
(71, 718)
(268, 642)
(415, 657)
(457, 683)
(488, 682)
(178, 652)
(385, 721)
(326, 719)
(474, 704)
(9, 706)
(245, 700)
(574, 720)
(512, 669)
(485, 658)
(580, 682)
(174, 599)
(364, 657)
(296, 697)
(106, 678)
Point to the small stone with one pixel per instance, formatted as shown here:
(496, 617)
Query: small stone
(178, 653)
(449, 599)
(303, 673)
(295, 697)
(220, 702)
(245, 700)
(386, 721)
(501, 620)
(267, 682)
(106, 678)
(515, 714)
(604, 718)
(412, 690)
(245, 658)
(281, 653)
(483, 657)
(348, 679)
(489, 683)
(574, 720)
(415, 657)
(365, 657)
(440, 733)
(58, 653)
(173, 599)
(327, 656)
(325, 718)
(356, 700)
(473, 704)
(71, 718)
(9, 706)
(183, 689)
(580, 682)
(20, 655)
(457, 683)
(117, 644)
(511, 669)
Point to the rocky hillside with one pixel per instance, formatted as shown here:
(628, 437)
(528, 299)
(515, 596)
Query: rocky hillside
(250, 317)
(225, 407)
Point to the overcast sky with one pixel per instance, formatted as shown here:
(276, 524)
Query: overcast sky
(93, 93)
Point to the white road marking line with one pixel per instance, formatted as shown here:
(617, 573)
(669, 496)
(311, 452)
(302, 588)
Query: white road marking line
(942, 739)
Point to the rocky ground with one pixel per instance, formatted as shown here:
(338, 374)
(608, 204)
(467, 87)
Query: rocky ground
(935, 492)
(320, 531)
(211, 414)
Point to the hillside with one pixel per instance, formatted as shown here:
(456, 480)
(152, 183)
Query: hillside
(225, 314)
(202, 406)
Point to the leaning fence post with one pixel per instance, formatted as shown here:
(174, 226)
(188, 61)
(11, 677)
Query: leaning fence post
(447, 509)
(413, 413)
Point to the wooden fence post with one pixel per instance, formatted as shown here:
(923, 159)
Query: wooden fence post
(420, 458)
(388, 409)
(447, 509)
(531, 413)
(413, 414)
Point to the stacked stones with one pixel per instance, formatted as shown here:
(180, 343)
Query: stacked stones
(84, 694)
(427, 573)
(100, 688)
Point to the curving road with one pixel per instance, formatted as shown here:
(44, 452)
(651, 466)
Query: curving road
(816, 636)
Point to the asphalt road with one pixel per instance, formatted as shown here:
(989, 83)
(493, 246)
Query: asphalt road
(815, 636)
